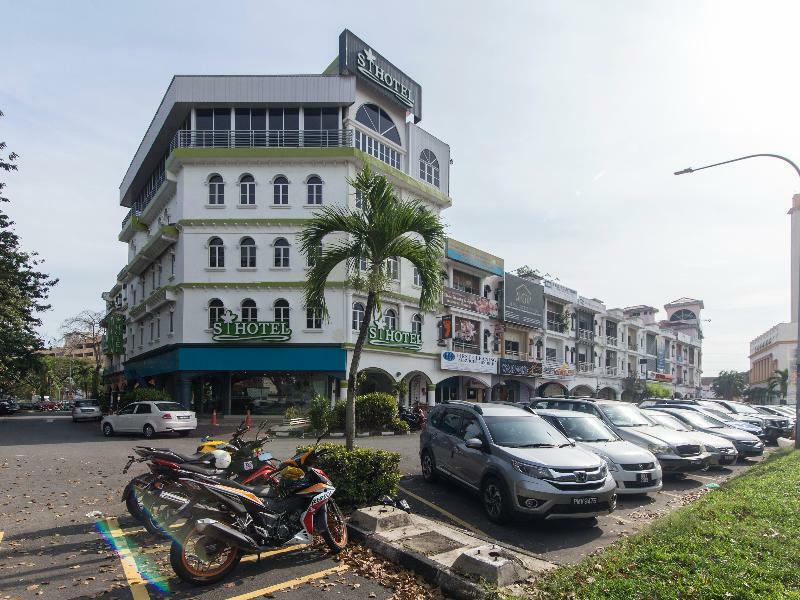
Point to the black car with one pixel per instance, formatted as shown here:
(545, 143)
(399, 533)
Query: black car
(8, 406)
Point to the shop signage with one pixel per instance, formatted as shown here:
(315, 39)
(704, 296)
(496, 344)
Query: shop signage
(446, 331)
(230, 329)
(523, 301)
(461, 252)
(591, 304)
(466, 331)
(115, 333)
(379, 335)
(520, 368)
(558, 371)
(560, 291)
(463, 361)
(655, 376)
(356, 57)
(471, 302)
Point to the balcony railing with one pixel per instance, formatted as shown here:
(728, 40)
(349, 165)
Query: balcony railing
(586, 367)
(555, 326)
(264, 138)
(633, 347)
(585, 334)
(611, 340)
(612, 371)
(133, 211)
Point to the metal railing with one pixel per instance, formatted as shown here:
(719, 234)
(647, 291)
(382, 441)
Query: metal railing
(611, 340)
(585, 367)
(133, 211)
(585, 334)
(264, 138)
(555, 326)
(611, 371)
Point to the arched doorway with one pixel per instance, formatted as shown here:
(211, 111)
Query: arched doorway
(607, 393)
(462, 387)
(551, 389)
(582, 391)
(415, 388)
(375, 380)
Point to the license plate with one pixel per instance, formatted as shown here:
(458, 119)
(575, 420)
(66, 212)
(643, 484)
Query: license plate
(183, 416)
(585, 501)
(643, 477)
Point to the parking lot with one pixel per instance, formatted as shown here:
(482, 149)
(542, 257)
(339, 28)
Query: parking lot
(66, 534)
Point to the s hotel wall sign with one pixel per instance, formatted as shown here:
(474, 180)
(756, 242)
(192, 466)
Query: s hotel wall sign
(360, 59)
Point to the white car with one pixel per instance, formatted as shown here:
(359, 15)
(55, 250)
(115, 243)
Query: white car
(635, 470)
(149, 418)
(86, 410)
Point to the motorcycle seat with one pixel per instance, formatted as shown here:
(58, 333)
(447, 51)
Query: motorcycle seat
(193, 468)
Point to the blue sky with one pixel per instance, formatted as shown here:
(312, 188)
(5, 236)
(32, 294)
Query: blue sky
(565, 120)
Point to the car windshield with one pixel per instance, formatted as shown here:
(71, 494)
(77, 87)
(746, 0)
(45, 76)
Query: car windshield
(667, 421)
(524, 432)
(702, 421)
(87, 403)
(715, 406)
(587, 429)
(165, 406)
(625, 415)
(743, 409)
(722, 416)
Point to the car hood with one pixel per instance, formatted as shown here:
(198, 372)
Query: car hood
(711, 439)
(731, 433)
(620, 452)
(569, 457)
(662, 434)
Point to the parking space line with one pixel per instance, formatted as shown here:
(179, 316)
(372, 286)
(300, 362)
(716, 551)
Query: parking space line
(449, 515)
(134, 578)
(1, 536)
(291, 583)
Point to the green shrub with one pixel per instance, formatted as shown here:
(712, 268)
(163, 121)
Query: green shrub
(293, 413)
(374, 412)
(656, 390)
(142, 394)
(319, 413)
(399, 426)
(360, 475)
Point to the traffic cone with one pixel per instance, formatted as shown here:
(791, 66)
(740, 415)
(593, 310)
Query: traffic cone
(214, 417)
(248, 420)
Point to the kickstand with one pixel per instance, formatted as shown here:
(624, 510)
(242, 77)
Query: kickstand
(258, 560)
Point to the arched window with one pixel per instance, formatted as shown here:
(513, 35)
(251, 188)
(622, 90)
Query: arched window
(216, 190)
(390, 319)
(281, 307)
(378, 120)
(314, 184)
(247, 248)
(393, 268)
(247, 190)
(416, 324)
(683, 315)
(216, 253)
(280, 191)
(215, 310)
(281, 250)
(249, 310)
(358, 315)
(429, 167)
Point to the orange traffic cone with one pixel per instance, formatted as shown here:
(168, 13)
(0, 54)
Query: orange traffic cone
(248, 420)
(214, 417)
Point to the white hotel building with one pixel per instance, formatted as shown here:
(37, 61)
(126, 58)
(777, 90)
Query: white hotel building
(210, 303)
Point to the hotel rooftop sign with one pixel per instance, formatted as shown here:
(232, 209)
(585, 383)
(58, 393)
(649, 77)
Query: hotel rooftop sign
(360, 59)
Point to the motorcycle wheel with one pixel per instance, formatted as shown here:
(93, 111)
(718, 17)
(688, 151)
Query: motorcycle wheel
(157, 518)
(201, 560)
(336, 533)
(134, 501)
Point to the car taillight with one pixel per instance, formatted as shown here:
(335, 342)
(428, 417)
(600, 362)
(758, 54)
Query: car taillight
(166, 416)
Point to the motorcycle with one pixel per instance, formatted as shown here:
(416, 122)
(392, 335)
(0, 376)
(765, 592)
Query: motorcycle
(254, 519)
(415, 417)
(151, 497)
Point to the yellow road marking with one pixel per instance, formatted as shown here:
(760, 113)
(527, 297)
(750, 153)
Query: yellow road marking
(1, 536)
(449, 515)
(136, 584)
(290, 583)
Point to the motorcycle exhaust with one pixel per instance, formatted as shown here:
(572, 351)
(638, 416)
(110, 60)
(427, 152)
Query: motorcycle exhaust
(220, 531)
(173, 498)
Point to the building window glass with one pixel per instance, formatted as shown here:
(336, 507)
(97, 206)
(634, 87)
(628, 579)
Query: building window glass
(429, 167)
(281, 250)
(215, 310)
(247, 190)
(375, 118)
(216, 253)
(141, 334)
(247, 249)
(393, 268)
(417, 277)
(158, 326)
(359, 200)
(280, 191)
(153, 279)
(416, 325)
(172, 264)
(171, 321)
(249, 310)
(313, 256)
(313, 318)
(281, 311)
(159, 274)
(367, 143)
(314, 184)
(358, 315)
(466, 282)
(152, 330)
(216, 190)
(390, 319)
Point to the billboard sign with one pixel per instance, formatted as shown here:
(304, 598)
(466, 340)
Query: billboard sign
(464, 361)
(562, 292)
(463, 253)
(523, 301)
(520, 368)
(470, 302)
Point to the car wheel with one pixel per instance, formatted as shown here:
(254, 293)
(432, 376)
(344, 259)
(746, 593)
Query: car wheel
(148, 431)
(496, 503)
(108, 430)
(184, 433)
(428, 467)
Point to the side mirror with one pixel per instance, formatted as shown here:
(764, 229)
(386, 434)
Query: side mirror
(474, 443)
(572, 441)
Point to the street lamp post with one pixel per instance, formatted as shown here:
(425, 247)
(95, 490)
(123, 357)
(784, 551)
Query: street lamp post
(797, 283)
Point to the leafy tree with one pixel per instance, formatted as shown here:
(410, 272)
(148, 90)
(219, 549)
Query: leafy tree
(780, 380)
(657, 390)
(729, 384)
(527, 272)
(84, 329)
(634, 386)
(23, 295)
(386, 226)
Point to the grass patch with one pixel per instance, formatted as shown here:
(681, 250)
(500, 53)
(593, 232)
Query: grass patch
(740, 541)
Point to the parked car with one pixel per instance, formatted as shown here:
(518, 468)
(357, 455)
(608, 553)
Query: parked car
(714, 410)
(635, 470)
(677, 452)
(777, 411)
(723, 451)
(149, 418)
(746, 444)
(774, 427)
(86, 410)
(517, 461)
(8, 406)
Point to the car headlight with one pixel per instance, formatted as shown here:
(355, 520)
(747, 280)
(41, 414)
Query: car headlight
(707, 448)
(611, 466)
(658, 449)
(537, 471)
(604, 470)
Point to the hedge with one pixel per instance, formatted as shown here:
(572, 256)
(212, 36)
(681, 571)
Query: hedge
(374, 412)
(360, 475)
(143, 394)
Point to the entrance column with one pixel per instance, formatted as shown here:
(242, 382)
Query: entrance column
(226, 394)
(487, 394)
(183, 392)
(431, 395)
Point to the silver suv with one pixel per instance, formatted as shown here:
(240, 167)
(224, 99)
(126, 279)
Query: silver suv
(516, 460)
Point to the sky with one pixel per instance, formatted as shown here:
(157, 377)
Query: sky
(566, 121)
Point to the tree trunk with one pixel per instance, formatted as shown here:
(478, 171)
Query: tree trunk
(350, 408)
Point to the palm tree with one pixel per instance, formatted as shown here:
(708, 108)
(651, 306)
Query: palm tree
(780, 379)
(386, 226)
(772, 385)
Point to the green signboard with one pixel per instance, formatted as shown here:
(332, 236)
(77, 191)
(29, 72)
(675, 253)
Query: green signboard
(230, 329)
(380, 335)
(115, 333)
